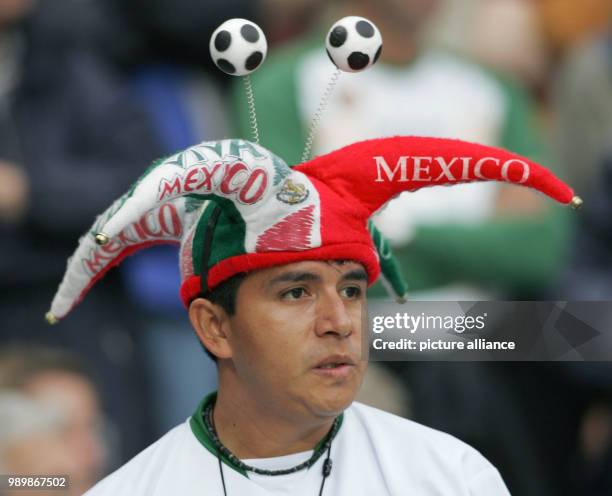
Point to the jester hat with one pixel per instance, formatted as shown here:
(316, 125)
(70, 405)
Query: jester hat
(235, 207)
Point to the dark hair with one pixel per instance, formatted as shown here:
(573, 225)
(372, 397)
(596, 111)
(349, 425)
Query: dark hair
(224, 295)
(20, 364)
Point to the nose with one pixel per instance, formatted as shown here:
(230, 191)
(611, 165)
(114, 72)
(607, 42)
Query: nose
(333, 316)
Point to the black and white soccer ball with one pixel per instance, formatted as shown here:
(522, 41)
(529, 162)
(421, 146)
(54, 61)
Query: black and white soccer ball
(238, 47)
(353, 44)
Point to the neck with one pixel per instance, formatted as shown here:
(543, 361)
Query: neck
(250, 428)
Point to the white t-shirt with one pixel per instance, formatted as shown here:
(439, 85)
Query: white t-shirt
(374, 453)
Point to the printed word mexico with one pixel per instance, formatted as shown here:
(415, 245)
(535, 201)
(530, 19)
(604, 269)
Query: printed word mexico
(438, 169)
(160, 224)
(229, 179)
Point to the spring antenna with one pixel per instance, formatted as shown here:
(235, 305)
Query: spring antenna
(316, 119)
(250, 96)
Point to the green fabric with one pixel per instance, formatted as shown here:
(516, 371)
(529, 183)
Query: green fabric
(389, 265)
(228, 237)
(200, 431)
(521, 133)
(202, 434)
(519, 257)
(508, 254)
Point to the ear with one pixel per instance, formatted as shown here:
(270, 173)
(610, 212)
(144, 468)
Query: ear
(211, 324)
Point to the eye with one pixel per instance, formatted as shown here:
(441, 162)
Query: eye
(351, 292)
(294, 294)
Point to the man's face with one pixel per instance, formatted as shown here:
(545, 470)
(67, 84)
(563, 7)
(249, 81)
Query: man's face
(82, 452)
(296, 336)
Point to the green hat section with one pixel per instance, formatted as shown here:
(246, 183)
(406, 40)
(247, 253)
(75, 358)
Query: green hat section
(227, 236)
(391, 272)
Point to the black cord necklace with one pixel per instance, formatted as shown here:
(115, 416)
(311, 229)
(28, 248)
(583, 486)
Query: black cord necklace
(207, 416)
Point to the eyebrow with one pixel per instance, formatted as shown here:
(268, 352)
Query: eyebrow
(356, 275)
(303, 276)
(295, 276)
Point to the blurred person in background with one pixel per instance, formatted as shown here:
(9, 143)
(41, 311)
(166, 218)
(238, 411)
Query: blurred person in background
(582, 102)
(50, 418)
(506, 37)
(566, 23)
(13, 182)
(577, 438)
(562, 51)
(68, 127)
(588, 411)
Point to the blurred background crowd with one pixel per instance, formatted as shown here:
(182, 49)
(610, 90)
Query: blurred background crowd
(91, 91)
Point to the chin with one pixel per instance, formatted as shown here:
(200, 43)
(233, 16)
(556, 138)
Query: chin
(332, 401)
(329, 396)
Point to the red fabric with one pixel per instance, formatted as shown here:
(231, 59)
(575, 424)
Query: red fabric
(353, 183)
(352, 186)
(353, 171)
(361, 253)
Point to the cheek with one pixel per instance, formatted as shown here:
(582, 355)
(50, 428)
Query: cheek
(358, 315)
(272, 338)
(359, 320)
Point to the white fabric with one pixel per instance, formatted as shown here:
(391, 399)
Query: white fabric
(374, 453)
(156, 210)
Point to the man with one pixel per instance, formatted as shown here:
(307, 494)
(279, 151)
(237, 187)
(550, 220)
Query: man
(452, 244)
(274, 267)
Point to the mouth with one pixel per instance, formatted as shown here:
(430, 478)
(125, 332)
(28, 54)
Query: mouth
(336, 366)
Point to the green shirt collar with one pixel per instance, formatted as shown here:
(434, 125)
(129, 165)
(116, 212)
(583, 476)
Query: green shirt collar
(202, 434)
